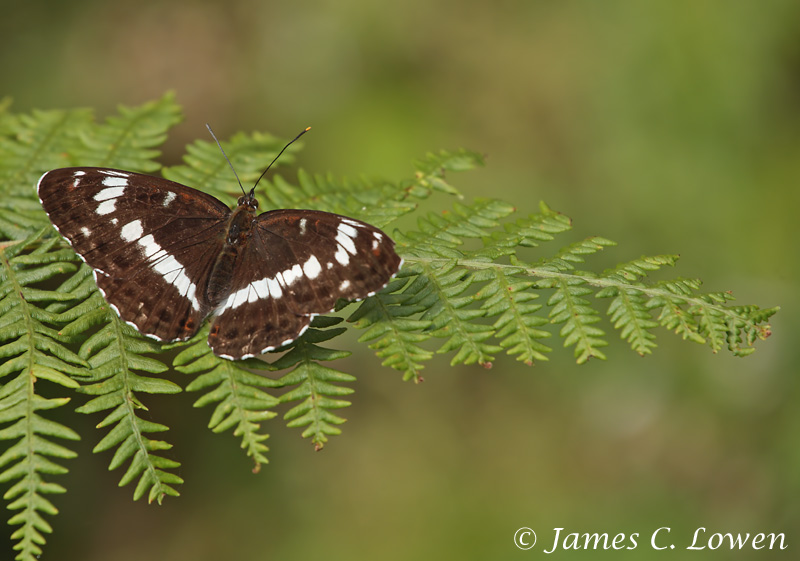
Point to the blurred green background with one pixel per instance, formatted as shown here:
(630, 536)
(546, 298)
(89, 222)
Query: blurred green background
(668, 126)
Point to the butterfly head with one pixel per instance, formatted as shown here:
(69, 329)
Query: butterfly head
(249, 201)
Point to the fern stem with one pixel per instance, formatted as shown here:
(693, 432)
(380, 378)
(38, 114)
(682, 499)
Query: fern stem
(130, 409)
(599, 282)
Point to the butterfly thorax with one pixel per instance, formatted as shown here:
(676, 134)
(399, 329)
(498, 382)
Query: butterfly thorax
(238, 231)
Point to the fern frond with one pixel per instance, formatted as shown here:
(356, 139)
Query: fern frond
(629, 314)
(33, 143)
(440, 235)
(115, 354)
(745, 326)
(396, 337)
(439, 252)
(567, 257)
(568, 306)
(706, 318)
(530, 231)
(518, 326)
(86, 308)
(316, 386)
(46, 140)
(628, 309)
(204, 167)
(376, 204)
(432, 170)
(127, 140)
(241, 403)
(30, 352)
(440, 289)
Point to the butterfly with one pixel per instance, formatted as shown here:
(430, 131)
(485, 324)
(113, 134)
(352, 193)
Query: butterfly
(166, 256)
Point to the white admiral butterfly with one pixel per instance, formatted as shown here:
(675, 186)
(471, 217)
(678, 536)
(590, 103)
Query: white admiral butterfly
(166, 256)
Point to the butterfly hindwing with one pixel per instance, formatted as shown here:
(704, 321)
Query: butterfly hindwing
(297, 264)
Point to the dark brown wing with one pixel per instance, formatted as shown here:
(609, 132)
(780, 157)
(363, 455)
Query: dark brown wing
(297, 264)
(151, 242)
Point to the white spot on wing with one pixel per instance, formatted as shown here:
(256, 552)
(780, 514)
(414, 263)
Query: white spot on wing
(158, 255)
(345, 285)
(291, 275)
(303, 223)
(227, 304)
(80, 173)
(131, 231)
(111, 192)
(346, 242)
(169, 268)
(168, 199)
(348, 230)
(185, 286)
(341, 256)
(312, 268)
(115, 181)
(252, 295)
(149, 245)
(86, 231)
(240, 297)
(115, 173)
(260, 289)
(106, 207)
(39, 183)
(172, 275)
(305, 327)
(274, 288)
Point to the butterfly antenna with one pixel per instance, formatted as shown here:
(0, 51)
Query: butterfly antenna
(253, 190)
(226, 158)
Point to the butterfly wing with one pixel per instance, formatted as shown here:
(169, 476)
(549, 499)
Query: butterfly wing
(297, 264)
(151, 242)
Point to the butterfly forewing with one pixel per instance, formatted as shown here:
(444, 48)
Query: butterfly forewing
(151, 242)
(165, 256)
